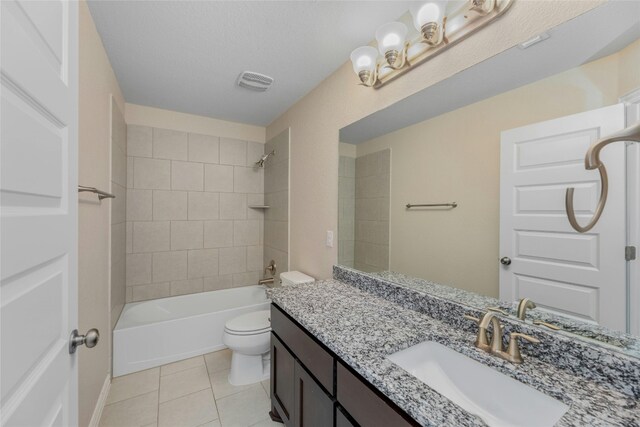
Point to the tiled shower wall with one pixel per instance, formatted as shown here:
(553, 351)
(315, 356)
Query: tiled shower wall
(372, 194)
(118, 211)
(346, 210)
(276, 194)
(189, 227)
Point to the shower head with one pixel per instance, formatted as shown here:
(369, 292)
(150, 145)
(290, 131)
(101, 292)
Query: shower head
(260, 163)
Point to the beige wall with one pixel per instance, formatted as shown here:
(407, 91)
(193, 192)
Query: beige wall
(456, 157)
(97, 84)
(316, 119)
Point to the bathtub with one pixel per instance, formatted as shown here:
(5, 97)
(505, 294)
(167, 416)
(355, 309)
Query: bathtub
(156, 332)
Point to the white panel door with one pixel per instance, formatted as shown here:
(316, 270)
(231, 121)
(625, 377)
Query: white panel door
(38, 213)
(577, 274)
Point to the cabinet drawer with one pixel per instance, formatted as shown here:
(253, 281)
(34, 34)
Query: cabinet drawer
(316, 359)
(365, 406)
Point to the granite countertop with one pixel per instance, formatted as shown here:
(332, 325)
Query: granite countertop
(362, 329)
(623, 342)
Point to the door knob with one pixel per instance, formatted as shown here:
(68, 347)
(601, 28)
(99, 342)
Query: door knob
(90, 339)
(505, 260)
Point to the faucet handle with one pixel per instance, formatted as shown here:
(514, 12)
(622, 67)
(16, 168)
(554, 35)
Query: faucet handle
(498, 310)
(513, 351)
(548, 325)
(475, 319)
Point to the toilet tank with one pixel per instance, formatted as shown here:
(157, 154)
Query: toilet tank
(295, 278)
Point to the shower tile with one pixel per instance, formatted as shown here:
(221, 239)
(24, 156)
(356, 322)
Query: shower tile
(183, 287)
(118, 242)
(183, 383)
(129, 246)
(168, 266)
(192, 410)
(246, 279)
(218, 234)
(204, 148)
(218, 178)
(277, 234)
(203, 263)
(248, 180)
(151, 291)
(233, 152)
(138, 269)
(203, 205)
(129, 172)
(255, 150)
(217, 283)
(139, 205)
(279, 206)
(151, 173)
(169, 205)
(233, 260)
(233, 206)
(254, 258)
(151, 236)
(255, 200)
(186, 235)
(246, 233)
(169, 144)
(187, 176)
(139, 141)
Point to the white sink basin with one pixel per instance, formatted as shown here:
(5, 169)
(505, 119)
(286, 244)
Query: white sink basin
(478, 389)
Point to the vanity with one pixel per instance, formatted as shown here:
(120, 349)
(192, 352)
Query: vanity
(332, 342)
(311, 386)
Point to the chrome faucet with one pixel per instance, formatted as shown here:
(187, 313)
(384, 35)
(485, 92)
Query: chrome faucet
(524, 305)
(495, 347)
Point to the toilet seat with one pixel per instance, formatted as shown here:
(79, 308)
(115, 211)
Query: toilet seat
(254, 323)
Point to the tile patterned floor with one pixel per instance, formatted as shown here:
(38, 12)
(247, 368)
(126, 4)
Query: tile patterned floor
(189, 393)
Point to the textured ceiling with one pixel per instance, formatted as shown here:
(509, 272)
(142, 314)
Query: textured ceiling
(186, 55)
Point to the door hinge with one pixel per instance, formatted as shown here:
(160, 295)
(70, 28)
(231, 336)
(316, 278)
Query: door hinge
(629, 253)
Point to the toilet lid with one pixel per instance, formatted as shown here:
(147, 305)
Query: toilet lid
(255, 322)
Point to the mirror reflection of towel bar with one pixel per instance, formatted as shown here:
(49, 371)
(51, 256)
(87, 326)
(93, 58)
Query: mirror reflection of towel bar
(101, 194)
(432, 205)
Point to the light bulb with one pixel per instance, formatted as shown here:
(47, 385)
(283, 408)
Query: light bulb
(364, 59)
(391, 37)
(428, 19)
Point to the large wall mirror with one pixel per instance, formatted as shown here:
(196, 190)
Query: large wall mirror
(494, 149)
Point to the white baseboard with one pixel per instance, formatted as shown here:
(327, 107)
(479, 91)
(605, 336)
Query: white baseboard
(102, 400)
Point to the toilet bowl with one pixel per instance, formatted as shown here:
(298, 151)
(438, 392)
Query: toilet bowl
(248, 337)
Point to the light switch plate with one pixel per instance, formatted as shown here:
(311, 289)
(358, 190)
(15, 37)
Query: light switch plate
(329, 238)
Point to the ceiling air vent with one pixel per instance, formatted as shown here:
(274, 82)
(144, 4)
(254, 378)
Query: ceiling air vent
(254, 81)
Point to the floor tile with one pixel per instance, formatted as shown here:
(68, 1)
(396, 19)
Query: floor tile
(183, 383)
(266, 384)
(191, 410)
(266, 423)
(181, 365)
(244, 408)
(222, 388)
(132, 385)
(218, 361)
(138, 411)
(215, 423)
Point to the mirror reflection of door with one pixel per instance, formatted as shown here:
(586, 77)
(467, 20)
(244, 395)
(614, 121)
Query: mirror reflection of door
(582, 275)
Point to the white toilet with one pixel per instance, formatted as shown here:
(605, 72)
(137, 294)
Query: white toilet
(248, 337)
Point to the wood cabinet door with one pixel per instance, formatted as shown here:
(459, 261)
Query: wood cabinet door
(313, 407)
(282, 381)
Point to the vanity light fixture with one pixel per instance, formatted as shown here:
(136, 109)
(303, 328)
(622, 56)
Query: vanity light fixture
(437, 30)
